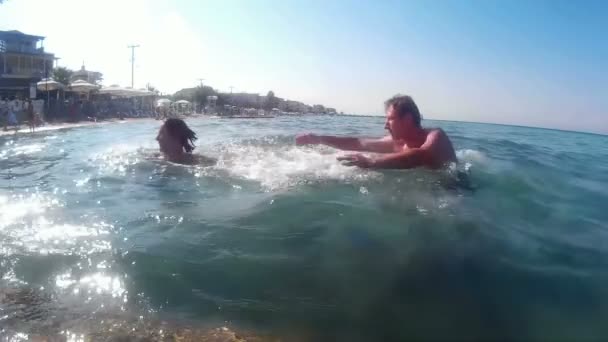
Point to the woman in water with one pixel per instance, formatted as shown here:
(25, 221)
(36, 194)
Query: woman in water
(176, 143)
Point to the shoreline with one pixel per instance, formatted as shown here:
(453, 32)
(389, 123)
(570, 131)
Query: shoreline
(24, 129)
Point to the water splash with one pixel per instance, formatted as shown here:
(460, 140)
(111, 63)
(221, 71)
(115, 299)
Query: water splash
(281, 166)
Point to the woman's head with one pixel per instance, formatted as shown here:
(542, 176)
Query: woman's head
(175, 137)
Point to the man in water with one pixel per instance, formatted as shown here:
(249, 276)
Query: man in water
(407, 146)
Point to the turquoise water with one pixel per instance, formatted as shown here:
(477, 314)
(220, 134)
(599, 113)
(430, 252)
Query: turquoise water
(283, 239)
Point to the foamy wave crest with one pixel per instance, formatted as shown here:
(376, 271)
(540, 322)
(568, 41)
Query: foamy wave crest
(468, 158)
(471, 156)
(279, 165)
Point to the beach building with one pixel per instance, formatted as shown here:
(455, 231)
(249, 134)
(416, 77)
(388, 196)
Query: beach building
(318, 109)
(23, 62)
(295, 106)
(245, 100)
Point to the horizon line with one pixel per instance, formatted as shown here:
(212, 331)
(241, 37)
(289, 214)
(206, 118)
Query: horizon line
(494, 123)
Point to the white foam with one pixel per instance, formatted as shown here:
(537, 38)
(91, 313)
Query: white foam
(271, 163)
(471, 156)
(468, 158)
(277, 166)
(23, 149)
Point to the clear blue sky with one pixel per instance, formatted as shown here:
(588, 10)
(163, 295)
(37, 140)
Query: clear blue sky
(540, 63)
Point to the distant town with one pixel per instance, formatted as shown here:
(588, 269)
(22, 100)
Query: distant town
(33, 85)
(207, 97)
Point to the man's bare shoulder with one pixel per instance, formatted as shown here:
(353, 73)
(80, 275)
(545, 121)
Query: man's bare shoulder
(433, 134)
(440, 144)
(436, 138)
(435, 130)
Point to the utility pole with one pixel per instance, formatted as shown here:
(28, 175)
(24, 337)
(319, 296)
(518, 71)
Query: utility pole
(231, 100)
(202, 97)
(132, 47)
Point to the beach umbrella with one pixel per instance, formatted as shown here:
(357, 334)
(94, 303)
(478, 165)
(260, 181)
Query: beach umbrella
(111, 90)
(48, 84)
(163, 103)
(140, 92)
(129, 92)
(115, 90)
(146, 92)
(80, 86)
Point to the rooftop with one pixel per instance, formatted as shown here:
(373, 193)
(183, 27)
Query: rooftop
(17, 34)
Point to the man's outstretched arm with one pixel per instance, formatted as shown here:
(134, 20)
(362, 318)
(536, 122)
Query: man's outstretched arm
(425, 155)
(382, 145)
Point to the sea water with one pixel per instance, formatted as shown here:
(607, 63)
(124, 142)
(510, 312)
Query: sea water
(284, 240)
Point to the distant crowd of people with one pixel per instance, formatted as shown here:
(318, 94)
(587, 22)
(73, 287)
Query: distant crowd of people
(15, 112)
(120, 108)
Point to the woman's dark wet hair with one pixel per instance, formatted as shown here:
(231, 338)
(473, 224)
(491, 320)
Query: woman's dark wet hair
(177, 128)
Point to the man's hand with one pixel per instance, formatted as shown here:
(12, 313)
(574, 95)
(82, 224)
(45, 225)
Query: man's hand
(357, 160)
(307, 139)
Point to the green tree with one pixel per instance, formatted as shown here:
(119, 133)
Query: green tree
(96, 77)
(62, 75)
(198, 95)
(183, 94)
(271, 101)
(223, 99)
(201, 93)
